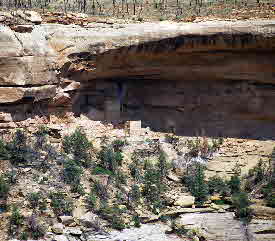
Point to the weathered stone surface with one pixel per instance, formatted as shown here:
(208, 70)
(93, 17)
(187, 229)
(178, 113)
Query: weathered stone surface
(60, 238)
(66, 220)
(9, 44)
(58, 228)
(74, 231)
(263, 212)
(261, 230)
(88, 220)
(31, 16)
(188, 210)
(215, 226)
(13, 94)
(185, 201)
(26, 71)
(173, 178)
(147, 232)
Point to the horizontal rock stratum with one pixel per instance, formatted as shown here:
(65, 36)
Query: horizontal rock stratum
(211, 78)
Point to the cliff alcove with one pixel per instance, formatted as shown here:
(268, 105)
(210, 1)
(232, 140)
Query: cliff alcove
(213, 78)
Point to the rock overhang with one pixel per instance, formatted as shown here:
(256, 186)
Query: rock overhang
(205, 77)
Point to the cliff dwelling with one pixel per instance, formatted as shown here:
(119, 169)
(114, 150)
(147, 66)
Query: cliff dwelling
(210, 90)
(191, 79)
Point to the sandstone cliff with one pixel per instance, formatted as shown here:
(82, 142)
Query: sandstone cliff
(210, 78)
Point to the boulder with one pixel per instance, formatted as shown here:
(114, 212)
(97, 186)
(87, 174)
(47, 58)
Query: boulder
(30, 16)
(60, 238)
(58, 228)
(88, 220)
(66, 220)
(74, 231)
(62, 99)
(9, 46)
(185, 201)
(173, 178)
(72, 86)
(13, 94)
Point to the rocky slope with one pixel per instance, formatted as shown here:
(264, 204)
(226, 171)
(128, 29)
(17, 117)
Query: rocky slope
(211, 221)
(212, 78)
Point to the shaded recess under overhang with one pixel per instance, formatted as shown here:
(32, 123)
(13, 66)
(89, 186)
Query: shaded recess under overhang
(216, 85)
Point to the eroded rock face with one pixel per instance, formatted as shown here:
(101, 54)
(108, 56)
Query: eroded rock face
(211, 78)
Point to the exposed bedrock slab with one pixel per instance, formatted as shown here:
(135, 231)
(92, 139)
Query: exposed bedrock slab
(13, 94)
(27, 70)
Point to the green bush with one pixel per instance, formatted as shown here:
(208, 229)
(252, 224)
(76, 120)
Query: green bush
(153, 188)
(113, 215)
(171, 139)
(4, 153)
(4, 187)
(18, 148)
(24, 236)
(135, 171)
(158, 204)
(16, 218)
(135, 194)
(117, 223)
(235, 184)
(107, 212)
(197, 184)
(91, 201)
(269, 195)
(163, 165)
(72, 172)
(60, 204)
(34, 199)
(78, 145)
(120, 197)
(241, 203)
(215, 145)
(218, 185)
(110, 159)
(101, 171)
(219, 202)
(118, 145)
(100, 190)
(270, 200)
(258, 173)
(11, 176)
(136, 220)
(77, 188)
